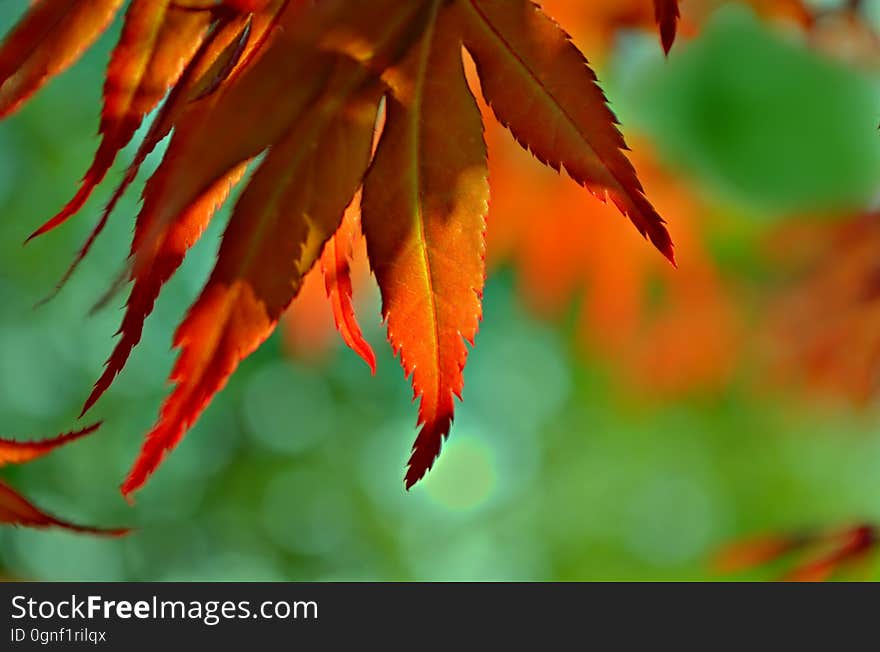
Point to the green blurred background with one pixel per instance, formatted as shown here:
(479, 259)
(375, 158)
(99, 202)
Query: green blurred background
(554, 470)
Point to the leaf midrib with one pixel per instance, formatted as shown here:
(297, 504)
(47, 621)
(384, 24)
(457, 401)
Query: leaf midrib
(418, 213)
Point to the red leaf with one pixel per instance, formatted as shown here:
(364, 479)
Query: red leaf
(667, 14)
(156, 43)
(229, 42)
(209, 148)
(268, 96)
(293, 204)
(165, 250)
(335, 264)
(540, 87)
(47, 40)
(19, 452)
(148, 281)
(424, 203)
(250, 89)
(15, 509)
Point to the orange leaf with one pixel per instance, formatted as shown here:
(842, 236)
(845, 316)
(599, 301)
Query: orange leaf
(293, 204)
(336, 266)
(148, 282)
(250, 89)
(19, 452)
(267, 97)
(228, 44)
(209, 144)
(169, 247)
(667, 14)
(47, 40)
(424, 203)
(540, 87)
(209, 148)
(15, 509)
(157, 41)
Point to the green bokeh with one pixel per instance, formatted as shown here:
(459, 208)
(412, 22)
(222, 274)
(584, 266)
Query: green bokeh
(761, 120)
(553, 470)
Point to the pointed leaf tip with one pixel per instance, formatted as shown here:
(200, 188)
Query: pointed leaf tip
(17, 510)
(279, 226)
(20, 452)
(667, 14)
(156, 44)
(524, 59)
(425, 200)
(426, 450)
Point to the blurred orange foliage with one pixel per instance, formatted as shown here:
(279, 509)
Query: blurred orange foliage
(669, 329)
(825, 323)
(817, 556)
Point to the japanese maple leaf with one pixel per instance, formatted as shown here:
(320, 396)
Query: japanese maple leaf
(302, 85)
(689, 337)
(15, 509)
